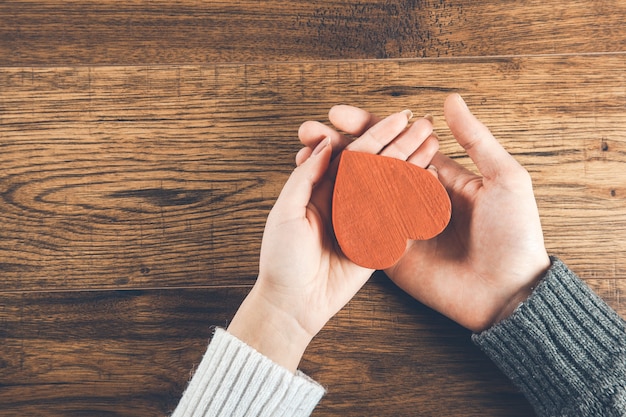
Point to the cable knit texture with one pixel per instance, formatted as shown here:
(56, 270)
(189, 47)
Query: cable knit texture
(235, 380)
(564, 348)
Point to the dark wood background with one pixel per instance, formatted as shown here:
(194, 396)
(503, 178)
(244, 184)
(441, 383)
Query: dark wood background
(143, 143)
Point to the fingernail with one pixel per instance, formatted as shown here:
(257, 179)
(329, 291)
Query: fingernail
(320, 146)
(433, 168)
(461, 100)
(430, 118)
(408, 113)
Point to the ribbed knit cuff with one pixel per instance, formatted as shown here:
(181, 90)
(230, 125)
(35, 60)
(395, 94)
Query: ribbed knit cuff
(234, 380)
(564, 348)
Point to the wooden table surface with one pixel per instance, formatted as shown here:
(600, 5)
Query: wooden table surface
(142, 145)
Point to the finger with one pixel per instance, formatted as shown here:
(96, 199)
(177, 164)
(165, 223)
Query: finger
(311, 133)
(409, 141)
(490, 157)
(302, 155)
(382, 133)
(352, 120)
(433, 170)
(297, 191)
(452, 175)
(423, 156)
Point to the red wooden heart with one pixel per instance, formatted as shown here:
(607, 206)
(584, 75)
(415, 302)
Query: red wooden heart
(380, 202)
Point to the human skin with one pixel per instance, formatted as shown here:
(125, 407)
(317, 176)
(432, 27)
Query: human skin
(304, 279)
(484, 264)
(491, 255)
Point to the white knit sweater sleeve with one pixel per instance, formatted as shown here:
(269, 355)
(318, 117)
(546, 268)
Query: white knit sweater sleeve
(235, 380)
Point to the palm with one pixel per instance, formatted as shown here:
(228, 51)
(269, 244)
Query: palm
(492, 252)
(301, 266)
(303, 250)
(462, 271)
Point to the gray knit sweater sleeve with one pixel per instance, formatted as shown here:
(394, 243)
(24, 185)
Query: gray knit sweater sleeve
(564, 348)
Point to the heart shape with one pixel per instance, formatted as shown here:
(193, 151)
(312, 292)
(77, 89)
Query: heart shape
(380, 202)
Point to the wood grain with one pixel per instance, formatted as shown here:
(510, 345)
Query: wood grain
(143, 143)
(142, 177)
(57, 32)
(118, 353)
(386, 352)
(131, 353)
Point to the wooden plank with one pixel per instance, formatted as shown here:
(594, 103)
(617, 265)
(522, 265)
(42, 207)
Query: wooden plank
(57, 32)
(131, 353)
(121, 353)
(386, 342)
(141, 177)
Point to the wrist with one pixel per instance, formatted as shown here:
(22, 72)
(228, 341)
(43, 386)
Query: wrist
(513, 303)
(521, 295)
(270, 331)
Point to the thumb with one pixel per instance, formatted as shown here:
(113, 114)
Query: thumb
(297, 191)
(490, 157)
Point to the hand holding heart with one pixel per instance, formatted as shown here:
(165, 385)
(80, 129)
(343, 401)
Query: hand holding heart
(488, 258)
(304, 279)
(475, 272)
